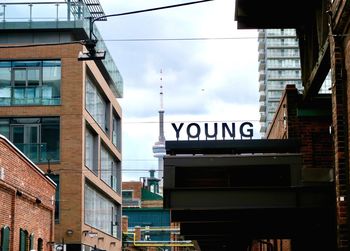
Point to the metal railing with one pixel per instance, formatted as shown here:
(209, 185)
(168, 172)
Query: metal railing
(34, 95)
(54, 15)
(36, 152)
(43, 11)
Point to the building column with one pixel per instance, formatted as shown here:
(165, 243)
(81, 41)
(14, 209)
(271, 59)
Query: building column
(340, 137)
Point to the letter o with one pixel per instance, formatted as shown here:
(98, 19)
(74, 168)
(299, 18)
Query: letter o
(198, 132)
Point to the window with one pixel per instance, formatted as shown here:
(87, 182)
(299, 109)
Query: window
(127, 194)
(96, 105)
(23, 240)
(5, 239)
(38, 138)
(31, 242)
(40, 244)
(101, 212)
(110, 169)
(91, 142)
(116, 132)
(30, 82)
(56, 179)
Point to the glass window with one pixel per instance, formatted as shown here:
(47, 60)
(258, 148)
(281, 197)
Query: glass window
(116, 131)
(100, 212)
(91, 151)
(30, 82)
(5, 128)
(127, 195)
(50, 137)
(51, 81)
(38, 138)
(19, 77)
(95, 104)
(5, 83)
(110, 169)
(31, 242)
(5, 239)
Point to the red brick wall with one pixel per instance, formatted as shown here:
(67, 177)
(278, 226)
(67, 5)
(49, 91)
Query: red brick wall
(135, 186)
(312, 131)
(26, 198)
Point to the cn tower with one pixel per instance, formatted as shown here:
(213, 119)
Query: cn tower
(159, 147)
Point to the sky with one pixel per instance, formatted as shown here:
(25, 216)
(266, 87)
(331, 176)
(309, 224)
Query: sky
(208, 70)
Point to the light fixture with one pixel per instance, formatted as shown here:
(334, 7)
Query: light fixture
(69, 232)
(90, 233)
(98, 55)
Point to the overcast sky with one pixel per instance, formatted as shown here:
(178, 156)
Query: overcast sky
(203, 80)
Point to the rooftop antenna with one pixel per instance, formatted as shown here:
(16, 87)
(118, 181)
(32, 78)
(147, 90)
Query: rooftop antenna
(161, 110)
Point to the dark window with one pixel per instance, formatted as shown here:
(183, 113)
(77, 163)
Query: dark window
(40, 244)
(127, 195)
(91, 152)
(5, 239)
(23, 240)
(37, 138)
(116, 131)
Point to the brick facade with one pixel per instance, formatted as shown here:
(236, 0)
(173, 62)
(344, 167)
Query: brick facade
(310, 123)
(74, 119)
(27, 198)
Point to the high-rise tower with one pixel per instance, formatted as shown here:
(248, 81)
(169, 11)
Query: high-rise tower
(279, 65)
(159, 146)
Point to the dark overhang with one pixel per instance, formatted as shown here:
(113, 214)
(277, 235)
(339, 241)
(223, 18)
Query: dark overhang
(268, 14)
(232, 146)
(224, 194)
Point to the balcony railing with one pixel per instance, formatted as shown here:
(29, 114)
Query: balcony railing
(35, 152)
(58, 15)
(38, 95)
(131, 203)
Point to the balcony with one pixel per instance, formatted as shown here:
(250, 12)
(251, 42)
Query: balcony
(21, 96)
(262, 87)
(262, 108)
(36, 152)
(131, 203)
(40, 17)
(262, 97)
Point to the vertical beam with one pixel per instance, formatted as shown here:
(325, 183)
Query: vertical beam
(341, 148)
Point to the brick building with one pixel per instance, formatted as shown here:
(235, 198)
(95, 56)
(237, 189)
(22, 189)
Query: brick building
(27, 202)
(322, 29)
(63, 114)
(309, 123)
(146, 224)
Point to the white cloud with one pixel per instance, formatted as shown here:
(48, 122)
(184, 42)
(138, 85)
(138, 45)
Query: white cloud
(204, 80)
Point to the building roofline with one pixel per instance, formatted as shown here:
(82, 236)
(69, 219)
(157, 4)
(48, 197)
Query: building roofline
(24, 156)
